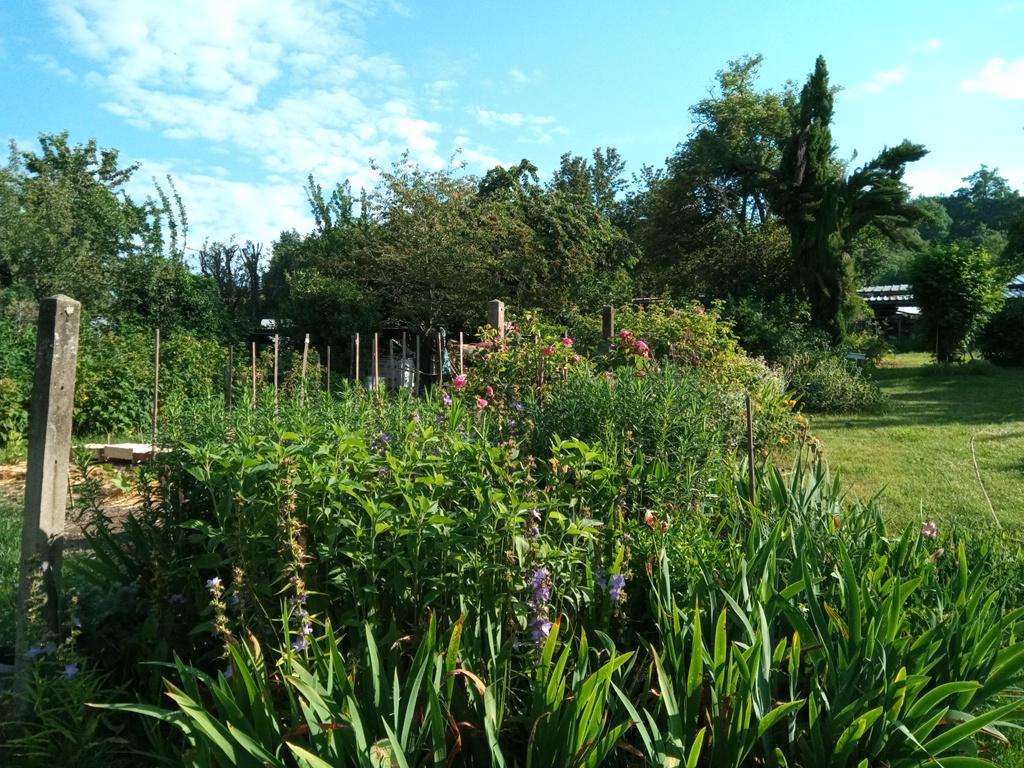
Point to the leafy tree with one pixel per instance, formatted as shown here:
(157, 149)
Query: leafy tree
(66, 222)
(958, 289)
(824, 209)
(598, 182)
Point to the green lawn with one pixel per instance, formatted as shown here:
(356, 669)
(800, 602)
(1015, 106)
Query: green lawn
(918, 452)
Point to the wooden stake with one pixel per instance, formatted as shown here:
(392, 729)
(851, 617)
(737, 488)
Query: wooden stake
(461, 370)
(305, 362)
(750, 451)
(254, 375)
(376, 361)
(277, 352)
(356, 362)
(156, 386)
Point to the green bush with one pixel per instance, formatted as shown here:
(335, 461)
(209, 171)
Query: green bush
(1002, 340)
(828, 383)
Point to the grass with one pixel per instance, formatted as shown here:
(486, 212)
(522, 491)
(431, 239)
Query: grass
(10, 553)
(918, 453)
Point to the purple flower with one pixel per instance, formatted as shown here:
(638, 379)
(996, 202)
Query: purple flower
(301, 643)
(931, 530)
(235, 600)
(446, 399)
(616, 585)
(517, 406)
(541, 586)
(541, 630)
(70, 670)
(213, 583)
(40, 650)
(177, 599)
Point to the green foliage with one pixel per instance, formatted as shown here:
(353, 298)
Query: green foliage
(828, 383)
(1001, 341)
(958, 289)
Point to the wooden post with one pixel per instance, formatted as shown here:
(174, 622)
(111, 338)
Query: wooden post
(305, 362)
(496, 316)
(417, 376)
(277, 352)
(254, 375)
(156, 385)
(608, 323)
(46, 480)
(229, 380)
(461, 369)
(750, 451)
(356, 361)
(376, 361)
(328, 368)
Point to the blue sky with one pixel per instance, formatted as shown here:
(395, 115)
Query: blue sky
(241, 99)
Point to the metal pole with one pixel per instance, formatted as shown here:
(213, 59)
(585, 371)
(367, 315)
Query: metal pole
(356, 362)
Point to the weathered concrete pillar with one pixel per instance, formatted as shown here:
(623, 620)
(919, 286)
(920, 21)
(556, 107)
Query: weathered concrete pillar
(608, 323)
(46, 481)
(496, 316)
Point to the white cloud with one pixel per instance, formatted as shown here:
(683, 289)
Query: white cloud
(286, 86)
(932, 182)
(999, 77)
(518, 76)
(881, 81)
(931, 46)
(533, 128)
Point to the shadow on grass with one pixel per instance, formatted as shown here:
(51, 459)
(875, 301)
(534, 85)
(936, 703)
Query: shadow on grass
(929, 395)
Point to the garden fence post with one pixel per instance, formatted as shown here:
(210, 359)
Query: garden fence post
(405, 352)
(156, 386)
(751, 476)
(46, 481)
(376, 361)
(608, 323)
(305, 362)
(461, 371)
(496, 316)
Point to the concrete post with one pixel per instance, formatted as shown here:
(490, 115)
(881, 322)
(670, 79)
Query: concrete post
(608, 323)
(46, 481)
(496, 316)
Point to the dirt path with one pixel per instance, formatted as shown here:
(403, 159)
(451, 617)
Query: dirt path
(116, 503)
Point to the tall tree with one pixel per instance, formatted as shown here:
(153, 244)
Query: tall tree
(824, 209)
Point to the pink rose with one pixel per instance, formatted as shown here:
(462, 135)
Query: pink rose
(567, 341)
(481, 403)
(490, 390)
(641, 347)
(459, 382)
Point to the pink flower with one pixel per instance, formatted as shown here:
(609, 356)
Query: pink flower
(931, 530)
(481, 403)
(641, 347)
(576, 358)
(490, 390)
(548, 351)
(459, 382)
(625, 335)
(567, 341)
(699, 310)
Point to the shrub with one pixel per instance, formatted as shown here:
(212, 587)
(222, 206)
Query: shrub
(828, 383)
(1002, 340)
